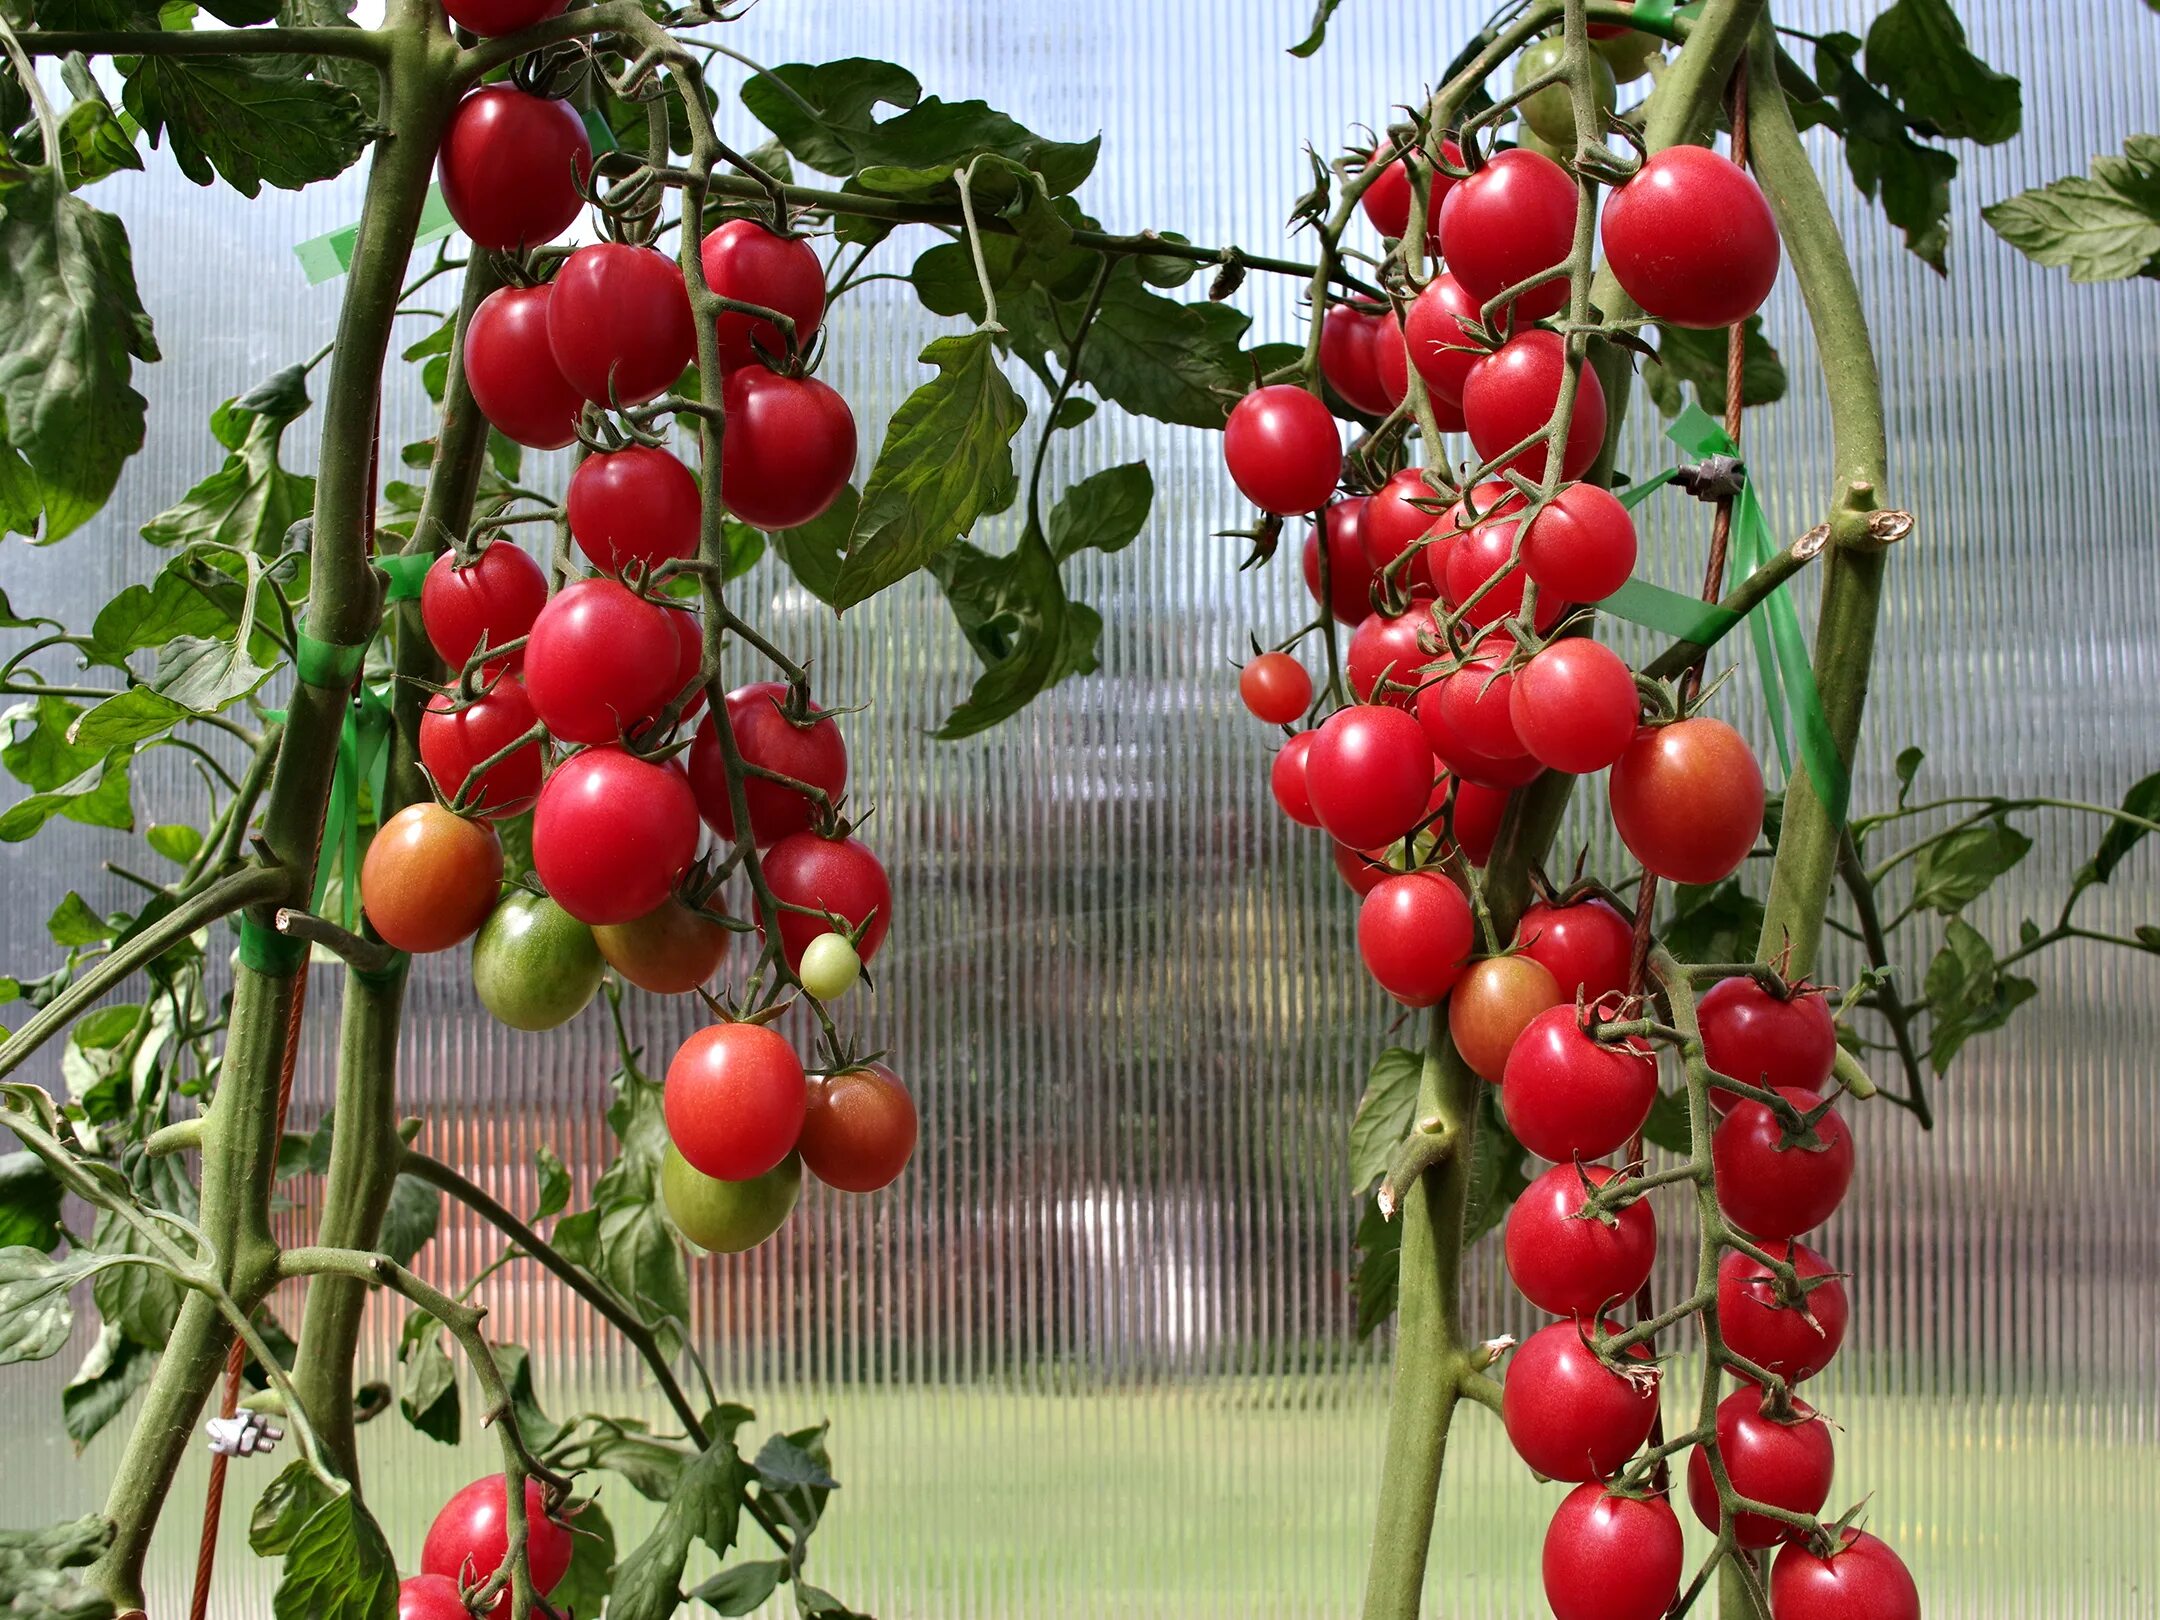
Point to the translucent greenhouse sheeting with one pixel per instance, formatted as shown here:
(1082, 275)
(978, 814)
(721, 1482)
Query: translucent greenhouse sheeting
(1095, 1353)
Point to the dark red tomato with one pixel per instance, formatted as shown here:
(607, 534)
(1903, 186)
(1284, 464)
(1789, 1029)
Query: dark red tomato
(490, 18)
(619, 323)
(612, 833)
(1491, 1007)
(812, 752)
(1454, 750)
(1691, 239)
(1862, 1577)
(1392, 523)
(512, 371)
(1347, 335)
(1385, 648)
(836, 875)
(1473, 703)
(471, 1537)
(1414, 936)
(1513, 218)
(1370, 774)
(1569, 1416)
(1751, 1036)
(1570, 1263)
(1567, 1096)
(668, 951)
(735, 1099)
(431, 1597)
(455, 737)
(512, 164)
(1687, 799)
(1482, 554)
(689, 657)
(1612, 1557)
(1588, 947)
(1363, 872)
(1476, 818)
(1282, 449)
(1350, 567)
(1288, 782)
(430, 878)
(497, 595)
(1575, 706)
(1786, 1463)
(1387, 200)
(1438, 334)
(602, 660)
(1391, 369)
(745, 261)
(634, 505)
(1769, 1189)
(860, 1130)
(1512, 394)
(1488, 501)
(789, 449)
(1275, 688)
(1795, 1342)
(1581, 548)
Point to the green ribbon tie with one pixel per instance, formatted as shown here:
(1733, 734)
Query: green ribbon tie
(363, 762)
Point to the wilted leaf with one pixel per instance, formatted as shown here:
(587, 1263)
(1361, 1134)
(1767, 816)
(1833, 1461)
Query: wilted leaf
(111, 1373)
(1968, 994)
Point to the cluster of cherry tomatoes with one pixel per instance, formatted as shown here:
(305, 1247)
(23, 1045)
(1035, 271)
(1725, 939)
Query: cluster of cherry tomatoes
(468, 1542)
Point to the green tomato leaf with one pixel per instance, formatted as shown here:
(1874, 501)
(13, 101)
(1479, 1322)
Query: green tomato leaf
(142, 1301)
(2100, 227)
(427, 1382)
(742, 1588)
(1917, 52)
(1911, 181)
(35, 1314)
(1173, 362)
(411, 1220)
(584, 1586)
(648, 1583)
(74, 923)
(554, 1179)
(1968, 994)
(1017, 617)
(652, 1467)
(1316, 34)
(1497, 1174)
(337, 1564)
(1953, 871)
(1105, 511)
(107, 1380)
(247, 119)
(1376, 1267)
(1667, 1126)
(1697, 359)
(144, 616)
(624, 1238)
(29, 1203)
(251, 501)
(1383, 1114)
(1713, 922)
(34, 1564)
(814, 551)
(94, 143)
(69, 779)
(2121, 837)
(175, 841)
(795, 1470)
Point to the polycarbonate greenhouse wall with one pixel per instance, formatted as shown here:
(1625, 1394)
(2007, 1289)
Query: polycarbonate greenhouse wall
(1096, 1354)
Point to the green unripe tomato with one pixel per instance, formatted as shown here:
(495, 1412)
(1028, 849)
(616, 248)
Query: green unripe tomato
(1531, 141)
(1551, 112)
(830, 967)
(1629, 55)
(727, 1217)
(534, 965)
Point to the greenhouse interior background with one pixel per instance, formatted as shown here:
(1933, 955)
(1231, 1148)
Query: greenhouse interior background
(1097, 1352)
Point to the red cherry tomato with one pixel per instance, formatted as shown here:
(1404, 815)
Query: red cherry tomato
(1392, 522)
(812, 752)
(1862, 1577)
(735, 1100)
(689, 658)
(1347, 335)
(456, 737)
(612, 833)
(1612, 1557)
(1795, 1342)
(634, 505)
(1567, 1096)
(1508, 221)
(1512, 393)
(1283, 450)
(1288, 782)
(471, 1537)
(430, 878)
(1275, 688)
(1473, 703)
(1784, 1463)
(1483, 554)
(836, 875)
(1370, 774)
(1751, 1036)
(511, 165)
(1691, 239)
(1568, 1415)
(1476, 818)
(671, 950)
(431, 1597)
(743, 260)
(859, 1132)
(1769, 1189)
(1581, 548)
(1350, 567)
(1588, 947)
(1453, 750)
(512, 371)
(1385, 648)
(1414, 936)
(619, 323)
(789, 449)
(1488, 502)
(491, 18)
(602, 660)
(1387, 200)
(1438, 333)
(497, 595)
(1573, 1264)
(1687, 799)
(1575, 706)
(1391, 369)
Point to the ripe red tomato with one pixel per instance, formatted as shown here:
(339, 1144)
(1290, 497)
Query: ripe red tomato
(1771, 1190)
(497, 595)
(1476, 818)
(602, 660)
(1473, 703)
(612, 833)
(1288, 782)
(1573, 1264)
(689, 657)
(1568, 1415)
(511, 165)
(735, 1100)
(634, 505)
(1508, 221)
(454, 738)
(1385, 648)
(1414, 936)
(492, 18)
(1387, 200)
(1793, 1342)
(619, 323)
(1786, 1464)
(837, 875)
(1282, 449)
(1588, 947)
(431, 1597)
(1861, 1577)
(1347, 337)
(1480, 555)
(1582, 547)
(1453, 750)
(743, 260)
(1438, 334)
(859, 1132)
(813, 752)
(1370, 774)
(789, 449)
(1350, 565)
(1691, 239)
(1567, 1096)
(1391, 523)
(1612, 1557)
(1391, 369)
(1512, 393)
(1275, 688)
(1687, 799)
(429, 878)
(471, 1537)
(512, 371)
(1490, 500)
(1365, 869)
(1575, 706)
(1490, 1008)
(669, 951)
(1751, 1036)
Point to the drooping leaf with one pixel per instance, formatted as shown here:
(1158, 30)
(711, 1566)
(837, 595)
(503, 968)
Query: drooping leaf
(1667, 1126)
(1497, 1175)
(624, 1239)
(814, 551)
(652, 1467)
(1968, 993)
(94, 143)
(1712, 923)
(142, 1301)
(2100, 227)
(584, 1586)
(1316, 35)
(1383, 1114)
(337, 1564)
(742, 1588)
(1376, 1267)
(68, 779)
(1688, 358)
(1952, 872)
(35, 1565)
(35, 1314)
(251, 501)
(29, 1203)
(1910, 180)
(1016, 615)
(414, 1213)
(795, 1472)
(648, 1582)
(1174, 362)
(2121, 837)
(107, 1380)
(1918, 53)
(247, 119)
(1105, 510)
(427, 1381)
(554, 1179)
(145, 616)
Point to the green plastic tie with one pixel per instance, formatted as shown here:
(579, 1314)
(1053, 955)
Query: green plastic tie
(267, 951)
(408, 570)
(330, 665)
